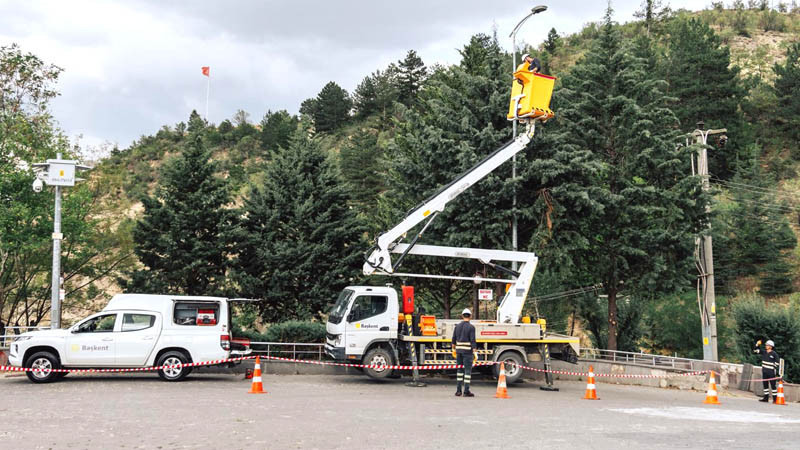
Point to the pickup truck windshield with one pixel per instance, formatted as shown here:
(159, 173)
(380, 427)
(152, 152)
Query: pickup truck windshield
(337, 313)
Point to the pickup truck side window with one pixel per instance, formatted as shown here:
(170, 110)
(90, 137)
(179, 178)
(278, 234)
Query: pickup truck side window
(99, 324)
(367, 306)
(136, 322)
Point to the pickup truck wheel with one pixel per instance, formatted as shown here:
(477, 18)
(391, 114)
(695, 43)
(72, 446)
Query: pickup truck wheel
(381, 357)
(173, 373)
(512, 361)
(43, 364)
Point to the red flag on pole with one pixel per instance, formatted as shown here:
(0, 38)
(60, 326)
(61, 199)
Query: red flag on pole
(206, 70)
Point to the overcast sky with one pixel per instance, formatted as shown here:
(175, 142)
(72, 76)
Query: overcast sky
(133, 66)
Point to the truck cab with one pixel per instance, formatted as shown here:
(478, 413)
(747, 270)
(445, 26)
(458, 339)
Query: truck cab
(362, 319)
(132, 331)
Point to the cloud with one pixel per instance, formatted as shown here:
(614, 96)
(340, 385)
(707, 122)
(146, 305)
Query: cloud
(131, 67)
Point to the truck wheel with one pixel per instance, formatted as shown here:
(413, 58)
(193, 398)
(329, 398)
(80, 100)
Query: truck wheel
(378, 356)
(173, 373)
(42, 364)
(512, 362)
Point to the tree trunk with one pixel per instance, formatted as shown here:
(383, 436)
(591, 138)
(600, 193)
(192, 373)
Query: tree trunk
(612, 320)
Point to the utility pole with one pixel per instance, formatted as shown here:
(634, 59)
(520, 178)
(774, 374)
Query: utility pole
(704, 254)
(513, 36)
(56, 172)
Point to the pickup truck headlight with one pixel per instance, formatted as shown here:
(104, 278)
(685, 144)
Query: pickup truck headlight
(22, 338)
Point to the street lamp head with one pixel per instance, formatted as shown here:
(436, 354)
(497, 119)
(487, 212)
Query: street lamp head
(538, 9)
(723, 140)
(701, 125)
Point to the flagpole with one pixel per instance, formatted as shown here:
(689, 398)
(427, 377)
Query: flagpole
(208, 88)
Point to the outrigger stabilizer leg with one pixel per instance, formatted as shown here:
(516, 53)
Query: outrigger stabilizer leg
(548, 376)
(415, 382)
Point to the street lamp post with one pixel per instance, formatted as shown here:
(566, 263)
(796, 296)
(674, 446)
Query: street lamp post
(513, 36)
(57, 173)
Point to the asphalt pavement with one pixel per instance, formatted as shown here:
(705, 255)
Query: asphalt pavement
(353, 412)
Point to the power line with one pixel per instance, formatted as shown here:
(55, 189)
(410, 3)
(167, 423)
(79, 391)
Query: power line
(754, 189)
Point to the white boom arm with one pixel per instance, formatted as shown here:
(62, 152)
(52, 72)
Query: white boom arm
(510, 308)
(379, 260)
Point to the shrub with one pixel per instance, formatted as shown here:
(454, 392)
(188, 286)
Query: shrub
(755, 320)
(296, 331)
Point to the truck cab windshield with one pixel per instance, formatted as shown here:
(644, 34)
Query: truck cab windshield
(337, 313)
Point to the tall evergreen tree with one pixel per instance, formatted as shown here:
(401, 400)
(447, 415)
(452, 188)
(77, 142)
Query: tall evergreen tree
(331, 108)
(787, 89)
(411, 73)
(363, 169)
(298, 245)
(759, 236)
(707, 88)
(553, 41)
(183, 239)
(276, 129)
(459, 120)
(377, 93)
(624, 212)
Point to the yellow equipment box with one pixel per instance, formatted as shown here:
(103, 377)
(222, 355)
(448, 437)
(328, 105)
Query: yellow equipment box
(536, 90)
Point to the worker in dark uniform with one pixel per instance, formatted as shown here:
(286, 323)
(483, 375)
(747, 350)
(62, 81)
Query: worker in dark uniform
(464, 347)
(770, 365)
(530, 63)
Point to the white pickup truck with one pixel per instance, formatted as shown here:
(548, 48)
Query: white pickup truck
(133, 330)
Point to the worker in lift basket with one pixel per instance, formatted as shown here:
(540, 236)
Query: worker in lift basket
(464, 351)
(530, 64)
(770, 365)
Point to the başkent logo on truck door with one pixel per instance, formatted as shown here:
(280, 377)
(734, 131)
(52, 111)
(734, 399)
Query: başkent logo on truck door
(494, 333)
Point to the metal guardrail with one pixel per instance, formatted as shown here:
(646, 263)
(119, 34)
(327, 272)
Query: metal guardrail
(643, 359)
(294, 350)
(8, 337)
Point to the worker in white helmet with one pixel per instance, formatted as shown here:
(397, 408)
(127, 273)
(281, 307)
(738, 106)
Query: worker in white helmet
(770, 365)
(464, 351)
(530, 63)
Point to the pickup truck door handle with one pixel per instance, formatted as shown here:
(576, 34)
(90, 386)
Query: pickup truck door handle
(384, 329)
(108, 339)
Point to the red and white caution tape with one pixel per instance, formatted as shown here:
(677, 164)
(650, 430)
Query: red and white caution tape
(340, 364)
(377, 366)
(134, 369)
(613, 375)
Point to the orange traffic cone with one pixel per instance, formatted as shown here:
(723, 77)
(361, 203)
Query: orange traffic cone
(502, 390)
(780, 399)
(711, 395)
(257, 387)
(591, 391)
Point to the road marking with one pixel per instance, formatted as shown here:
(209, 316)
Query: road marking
(717, 415)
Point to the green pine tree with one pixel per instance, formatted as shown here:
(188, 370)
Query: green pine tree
(331, 108)
(376, 93)
(411, 73)
(707, 88)
(361, 161)
(624, 212)
(787, 89)
(299, 242)
(460, 119)
(760, 237)
(276, 129)
(553, 41)
(183, 238)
